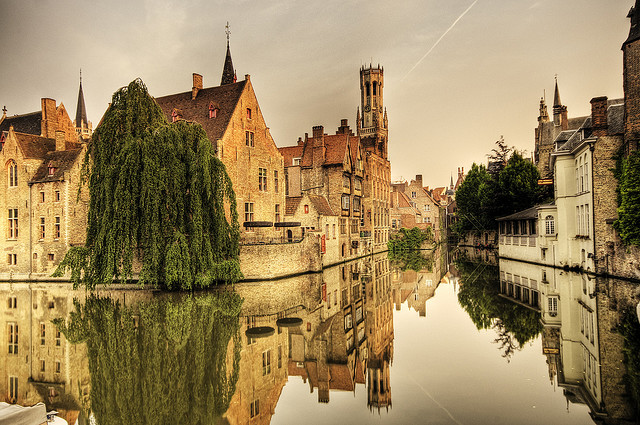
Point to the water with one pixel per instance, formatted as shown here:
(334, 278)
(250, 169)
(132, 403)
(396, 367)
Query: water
(466, 340)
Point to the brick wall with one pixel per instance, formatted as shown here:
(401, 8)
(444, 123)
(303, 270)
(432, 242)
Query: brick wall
(270, 261)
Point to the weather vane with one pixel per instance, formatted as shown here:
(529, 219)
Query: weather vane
(227, 31)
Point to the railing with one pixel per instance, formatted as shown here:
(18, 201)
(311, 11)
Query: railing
(258, 240)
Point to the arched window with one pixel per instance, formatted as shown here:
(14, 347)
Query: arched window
(375, 88)
(12, 172)
(366, 87)
(550, 225)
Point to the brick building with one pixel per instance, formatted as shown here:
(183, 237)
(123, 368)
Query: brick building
(42, 156)
(429, 211)
(233, 121)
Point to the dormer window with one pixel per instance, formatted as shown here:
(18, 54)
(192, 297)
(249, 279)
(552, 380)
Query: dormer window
(213, 111)
(176, 115)
(51, 170)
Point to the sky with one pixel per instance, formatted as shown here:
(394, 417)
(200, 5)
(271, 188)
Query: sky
(458, 73)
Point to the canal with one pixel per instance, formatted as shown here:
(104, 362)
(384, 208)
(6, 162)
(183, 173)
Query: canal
(445, 337)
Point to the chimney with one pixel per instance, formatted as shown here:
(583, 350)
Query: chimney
(344, 127)
(197, 85)
(599, 116)
(419, 179)
(318, 132)
(318, 145)
(49, 122)
(300, 142)
(60, 141)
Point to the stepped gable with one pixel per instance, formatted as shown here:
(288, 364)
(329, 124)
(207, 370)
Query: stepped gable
(321, 205)
(62, 161)
(225, 98)
(25, 123)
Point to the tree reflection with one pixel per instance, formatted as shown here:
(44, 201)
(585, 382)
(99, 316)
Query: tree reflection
(414, 259)
(514, 324)
(161, 361)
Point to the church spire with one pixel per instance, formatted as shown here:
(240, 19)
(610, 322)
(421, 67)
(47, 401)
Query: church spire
(228, 73)
(556, 96)
(634, 15)
(559, 110)
(81, 110)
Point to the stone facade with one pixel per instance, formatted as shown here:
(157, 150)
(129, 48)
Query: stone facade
(429, 211)
(45, 214)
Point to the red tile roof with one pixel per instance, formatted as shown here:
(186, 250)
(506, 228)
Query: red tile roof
(290, 152)
(291, 204)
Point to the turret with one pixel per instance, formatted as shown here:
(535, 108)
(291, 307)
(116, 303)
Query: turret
(631, 81)
(228, 72)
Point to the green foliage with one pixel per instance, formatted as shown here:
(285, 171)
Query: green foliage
(628, 174)
(483, 197)
(405, 249)
(158, 193)
(514, 324)
(630, 330)
(162, 361)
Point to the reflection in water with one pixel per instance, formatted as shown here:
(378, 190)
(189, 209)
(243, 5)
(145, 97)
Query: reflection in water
(142, 356)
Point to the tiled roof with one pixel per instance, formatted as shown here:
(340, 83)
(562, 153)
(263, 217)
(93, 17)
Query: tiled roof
(35, 146)
(340, 377)
(529, 213)
(25, 123)
(290, 152)
(291, 204)
(337, 146)
(225, 98)
(615, 119)
(62, 161)
(321, 205)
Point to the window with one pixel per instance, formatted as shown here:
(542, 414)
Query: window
(359, 316)
(12, 330)
(56, 196)
(248, 138)
(329, 300)
(277, 213)
(248, 211)
(50, 257)
(348, 322)
(296, 161)
(13, 223)
(279, 356)
(13, 388)
(248, 113)
(326, 231)
(12, 259)
(266, 362)
(213, 111)
(42, 228)
(51, 170)
(262, 179)
(58, 338)
(275, 181)
(57, 366)
(255, 408)
(335, 297)
(12, 302)
(427, 207)
(334, 231)
(346, 182)
(345, 202)
(13, 174)
(42, 365)
(354, 227)
(413, 194)
(357, 183)
(343, 226)
(43, 333)
(306, 209)
(550, 225)
(56, 228)
(553, 306)
(356, 204)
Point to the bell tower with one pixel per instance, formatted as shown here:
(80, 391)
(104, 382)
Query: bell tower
(372, 123)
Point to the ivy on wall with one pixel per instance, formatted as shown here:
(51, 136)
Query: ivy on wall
(628, 174)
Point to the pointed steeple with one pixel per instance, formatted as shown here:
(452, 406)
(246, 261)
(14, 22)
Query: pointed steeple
(556, 96)
(544, 115)
(81, 110)
(228, 73)
(634, 15)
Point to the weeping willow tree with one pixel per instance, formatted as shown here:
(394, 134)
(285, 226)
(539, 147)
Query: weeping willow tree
(157, 194)
(162, 361)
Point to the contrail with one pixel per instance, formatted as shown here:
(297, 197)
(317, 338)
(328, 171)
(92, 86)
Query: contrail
(440, 39)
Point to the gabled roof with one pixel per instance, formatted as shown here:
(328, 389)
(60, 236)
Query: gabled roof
(225, 98)
(62, 161)
(528, 214)
(25, 123)
(321, 205)
(291, 204)
(34, 147)
(337, 149)
(290, 152)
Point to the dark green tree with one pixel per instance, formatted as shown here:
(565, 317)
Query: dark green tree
(517, 186)
(157, 194)
(160, 361)
(472, 198)
(628, 174)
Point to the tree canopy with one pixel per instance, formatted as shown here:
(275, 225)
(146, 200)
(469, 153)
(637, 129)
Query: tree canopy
(482, 197)
(158, 195)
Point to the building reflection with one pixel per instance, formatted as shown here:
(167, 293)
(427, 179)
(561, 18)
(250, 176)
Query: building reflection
(345, 340)
(580, 314)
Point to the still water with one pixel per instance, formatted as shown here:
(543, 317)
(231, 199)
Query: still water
(467, 339)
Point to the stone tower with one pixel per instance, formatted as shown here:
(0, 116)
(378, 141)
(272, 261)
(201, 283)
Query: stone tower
(83, 126)
(372, 125)
(631, 81)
